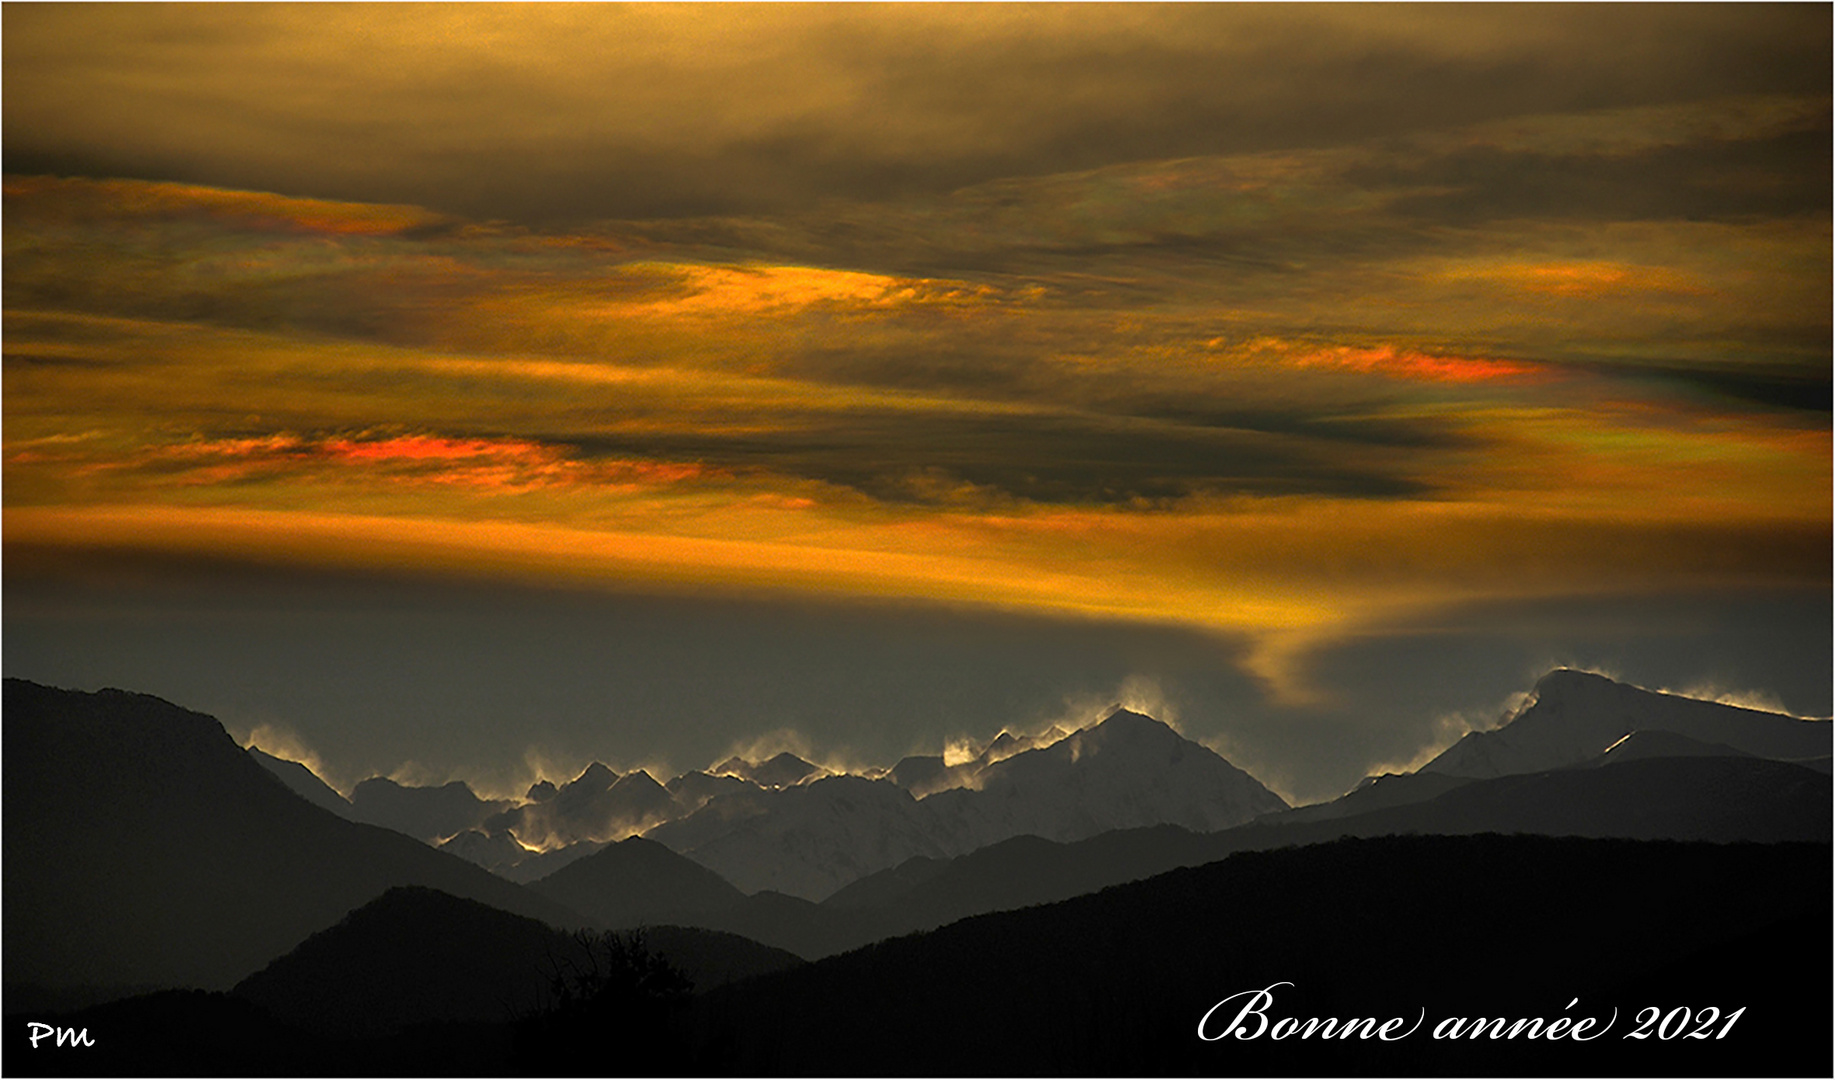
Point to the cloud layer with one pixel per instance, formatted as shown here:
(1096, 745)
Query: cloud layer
(1291, 326)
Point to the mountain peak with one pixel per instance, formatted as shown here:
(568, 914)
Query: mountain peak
(1569, 682)
(1574, 716)
(638, 780)
(783, 770)
(596, 776)
(1129, 724)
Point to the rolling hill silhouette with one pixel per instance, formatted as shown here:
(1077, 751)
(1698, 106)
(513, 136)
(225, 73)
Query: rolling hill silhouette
(303, 781)
(1114, 983)
(418, 956)
(638, 881)
(144, 847)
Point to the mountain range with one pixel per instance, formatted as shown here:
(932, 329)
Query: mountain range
(144, 849)
(787, 825)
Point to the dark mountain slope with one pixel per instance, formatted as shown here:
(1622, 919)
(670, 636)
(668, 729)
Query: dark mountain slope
(1115, 983)
(144, 847)
(1375, 793)
(637, 881)
(302, 782)
(412, 955)
(418, 956)
(1719, 799)
(1692, 798)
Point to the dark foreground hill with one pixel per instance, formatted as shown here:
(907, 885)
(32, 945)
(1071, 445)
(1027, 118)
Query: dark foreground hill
(1476, 926)
(145, 848)
(1718, 953)
(418, 956)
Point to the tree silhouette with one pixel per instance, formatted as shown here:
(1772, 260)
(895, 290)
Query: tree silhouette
(609, 996)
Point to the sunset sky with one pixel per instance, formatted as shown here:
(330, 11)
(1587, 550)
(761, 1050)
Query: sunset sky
(471, 392)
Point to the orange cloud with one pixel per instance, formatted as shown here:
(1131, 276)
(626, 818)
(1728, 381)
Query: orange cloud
(1287, 575)
(1581, 279)
(504, 466)
(715, 290)
(1396, 362)
(139, 198)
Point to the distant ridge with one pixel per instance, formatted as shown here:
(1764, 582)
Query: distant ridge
(144, 847)
(1575, 716)
(425, 813)
(637, 881)
(303, 782)
(1116, 982)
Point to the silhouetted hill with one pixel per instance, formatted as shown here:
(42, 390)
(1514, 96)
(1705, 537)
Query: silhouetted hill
(1687, 798)
(637, 881)
(144, 847)
(714, 958)
(418, 956)
(1116, 983)
(1375, 793)
(302, 782)
(792, 923)
(888, 885)
(1016, 873)
(411, 956)
(535, 867)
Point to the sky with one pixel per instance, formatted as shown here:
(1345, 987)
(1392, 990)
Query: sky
(475, 392)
